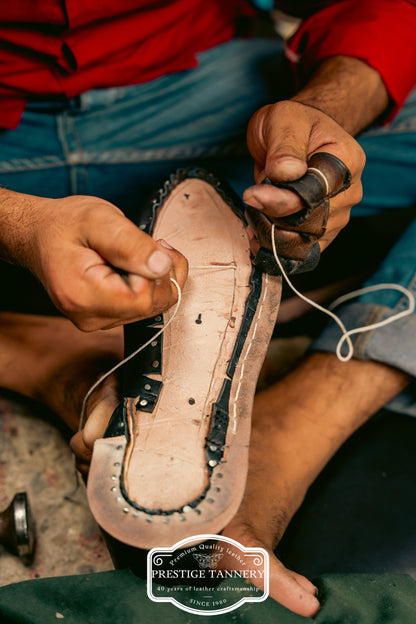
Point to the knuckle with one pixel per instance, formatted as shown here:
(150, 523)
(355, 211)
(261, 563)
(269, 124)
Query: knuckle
(358, 157)
(356, 194)
(86, 324)
(346, 218)
(66, 299)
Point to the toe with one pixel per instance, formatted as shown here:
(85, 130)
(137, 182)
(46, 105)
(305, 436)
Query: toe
(292, 590)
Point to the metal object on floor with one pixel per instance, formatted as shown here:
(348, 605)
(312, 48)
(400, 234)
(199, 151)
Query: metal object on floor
(17, 533)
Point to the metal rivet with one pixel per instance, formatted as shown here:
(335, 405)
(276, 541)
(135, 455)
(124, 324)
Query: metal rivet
(125, 510)
(210, 500)
(166, 520)
(143, 402)
(217, 489)
(147, 387)
(142, 226)
(197, 511)
(191, 401)
(158, 319)
(219, 475)
(135, 514)
(212, 463)
(114, 489)
(182, 518)
(114, 477)
(119, 447)
(153, 343)
(149, 520)
(212, 447)
(116, 463)
(155, 364)
(186, 509)
(119, 499)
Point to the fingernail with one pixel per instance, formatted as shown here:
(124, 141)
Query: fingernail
(164, 243)
(288, 159)
(291, 164)
(159, 262)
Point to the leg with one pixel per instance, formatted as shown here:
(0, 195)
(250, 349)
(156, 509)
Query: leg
(301, 421)
(49, 360)
(293, 437)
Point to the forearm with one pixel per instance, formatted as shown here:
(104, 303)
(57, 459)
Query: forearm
(19, 216)
(348, 90)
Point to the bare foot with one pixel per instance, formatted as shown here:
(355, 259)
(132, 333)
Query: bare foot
(48, 359)
(265, 512)
(298, 424)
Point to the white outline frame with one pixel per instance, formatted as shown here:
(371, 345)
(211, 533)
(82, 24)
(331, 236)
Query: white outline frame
(202, 538)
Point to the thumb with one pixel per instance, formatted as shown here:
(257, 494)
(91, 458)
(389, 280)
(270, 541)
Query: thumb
(284, 136)
(126, 247)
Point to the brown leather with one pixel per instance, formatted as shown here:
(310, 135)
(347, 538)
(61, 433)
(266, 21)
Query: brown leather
(296, 235)
(155, 483)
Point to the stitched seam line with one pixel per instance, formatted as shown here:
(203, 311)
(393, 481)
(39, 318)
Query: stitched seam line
(240, 381)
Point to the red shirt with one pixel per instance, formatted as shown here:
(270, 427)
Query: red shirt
(61, 48)
(380, 32)
(64, 47)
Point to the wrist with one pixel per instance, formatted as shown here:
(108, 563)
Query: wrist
(347, 90)
(20, 219)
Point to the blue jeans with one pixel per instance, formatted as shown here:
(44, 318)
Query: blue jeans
(389, 185)
(119, 143)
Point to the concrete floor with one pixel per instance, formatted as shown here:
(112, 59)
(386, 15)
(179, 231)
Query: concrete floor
(35, 458)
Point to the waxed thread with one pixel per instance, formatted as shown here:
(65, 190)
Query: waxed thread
(260, 311)
(346, 334)
(83, 416)
(323, 177)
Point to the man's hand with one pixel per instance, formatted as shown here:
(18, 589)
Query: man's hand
(343, 97)
(98, 268)
(282, 137)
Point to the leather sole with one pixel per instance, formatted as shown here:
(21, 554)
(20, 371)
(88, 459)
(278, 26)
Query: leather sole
(175, 461)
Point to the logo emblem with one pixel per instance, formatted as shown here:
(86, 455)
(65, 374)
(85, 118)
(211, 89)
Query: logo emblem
(207, 561)
(208, 574)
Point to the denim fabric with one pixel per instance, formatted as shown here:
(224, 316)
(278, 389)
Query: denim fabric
(388, 178)
(389, 183)
(120, 143)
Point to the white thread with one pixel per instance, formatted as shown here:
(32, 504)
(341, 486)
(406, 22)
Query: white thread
(83, 416)
(214, 266)
(323, 177)
(358, 330)
(260, 311)
(129, 357)
(386, 321)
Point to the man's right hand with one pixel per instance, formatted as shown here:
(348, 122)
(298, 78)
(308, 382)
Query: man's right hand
(98, 268)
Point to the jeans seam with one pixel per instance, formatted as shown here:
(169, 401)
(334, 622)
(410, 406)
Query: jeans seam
(19, 165)
(411, 286)
(81, 169)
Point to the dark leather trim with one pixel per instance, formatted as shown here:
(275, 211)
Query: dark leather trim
(137, 333)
